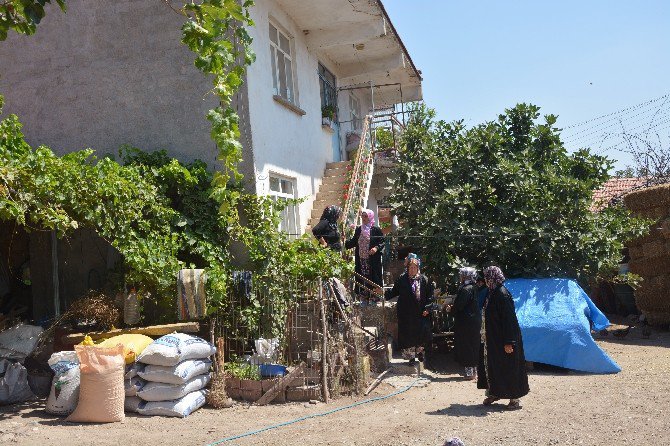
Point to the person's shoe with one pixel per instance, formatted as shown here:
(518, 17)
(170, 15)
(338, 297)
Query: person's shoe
(514, 405)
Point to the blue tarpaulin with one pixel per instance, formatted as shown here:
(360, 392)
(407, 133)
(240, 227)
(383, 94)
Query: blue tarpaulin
(556, 317)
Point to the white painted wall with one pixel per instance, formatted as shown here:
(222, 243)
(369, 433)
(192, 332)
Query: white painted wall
(284, 142)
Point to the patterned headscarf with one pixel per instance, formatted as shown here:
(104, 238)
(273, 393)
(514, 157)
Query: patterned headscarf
(469, 275)
(494, 275)
(364, 238)
(415, 281)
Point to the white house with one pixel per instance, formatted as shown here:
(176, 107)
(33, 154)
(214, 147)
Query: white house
(116, 73)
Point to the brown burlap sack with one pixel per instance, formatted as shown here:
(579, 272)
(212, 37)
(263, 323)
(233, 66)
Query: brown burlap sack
(101, 392)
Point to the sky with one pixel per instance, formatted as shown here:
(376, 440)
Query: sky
(576, 59)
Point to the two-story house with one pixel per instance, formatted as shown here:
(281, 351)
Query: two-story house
(107, 74)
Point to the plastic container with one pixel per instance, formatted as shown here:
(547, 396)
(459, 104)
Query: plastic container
(272, 370)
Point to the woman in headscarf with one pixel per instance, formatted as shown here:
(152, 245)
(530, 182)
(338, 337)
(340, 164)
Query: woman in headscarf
(467, 323)
(502, 364)
(415, 297)
(368, 240)
(326, 230)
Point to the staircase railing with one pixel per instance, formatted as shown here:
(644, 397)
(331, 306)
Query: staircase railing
(361, 178)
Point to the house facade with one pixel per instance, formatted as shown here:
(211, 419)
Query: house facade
(100, 77)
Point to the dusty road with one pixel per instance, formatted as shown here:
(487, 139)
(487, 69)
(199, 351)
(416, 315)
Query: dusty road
(632, 407)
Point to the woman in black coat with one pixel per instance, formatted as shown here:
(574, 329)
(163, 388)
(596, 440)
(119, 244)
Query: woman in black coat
(368, 240)
(326, 230)
(415, 296)
(502, 364)
(467, 323)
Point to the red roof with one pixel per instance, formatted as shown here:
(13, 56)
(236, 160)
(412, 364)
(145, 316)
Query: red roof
(614, 188)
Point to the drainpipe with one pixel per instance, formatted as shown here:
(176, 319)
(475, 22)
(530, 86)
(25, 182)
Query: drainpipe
(54, 272)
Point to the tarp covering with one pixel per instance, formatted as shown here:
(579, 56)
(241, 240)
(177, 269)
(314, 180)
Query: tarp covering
(556, 317)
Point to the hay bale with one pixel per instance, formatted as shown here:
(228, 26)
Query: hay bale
(657, 318)
(649, 267)
(636, 252)
(654, 213)
(664, 228)
(653, 235)
(650, 197)
(653, 298)
(655, 248)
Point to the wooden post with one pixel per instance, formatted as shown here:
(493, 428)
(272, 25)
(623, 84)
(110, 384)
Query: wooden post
(324, 347)
(280, 385)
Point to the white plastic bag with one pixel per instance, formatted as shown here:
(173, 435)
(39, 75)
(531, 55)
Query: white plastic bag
(174, 348)
(167, 392)
(14, 386)
(19, 341)
(267, 350)
(64, 393)
(179, 374)
(182, 407)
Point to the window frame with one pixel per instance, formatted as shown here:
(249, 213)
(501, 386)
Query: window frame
(355, 112)
(291, 213)
(326, 86)
(289, 92)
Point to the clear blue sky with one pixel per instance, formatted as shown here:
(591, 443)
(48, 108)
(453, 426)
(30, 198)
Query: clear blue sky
(577, 59)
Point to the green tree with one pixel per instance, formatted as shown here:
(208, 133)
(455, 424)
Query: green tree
(505, 192)
(22, 16)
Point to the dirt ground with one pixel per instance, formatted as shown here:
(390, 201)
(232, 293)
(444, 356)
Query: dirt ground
(563, 408)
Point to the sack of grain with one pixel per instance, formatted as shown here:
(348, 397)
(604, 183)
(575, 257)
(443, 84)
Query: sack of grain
(181, 407)
(101, 393)
(133, 385)
(153, 391)
(174, 348)
(64, 393)
(179, 374)
(132, 403)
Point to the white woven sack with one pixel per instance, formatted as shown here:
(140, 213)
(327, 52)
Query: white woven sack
(133, 369)
(166, 392)
(133, 385)
(132, 403)
(179, 374)
(182, 407)
(170, 350)
(64, 393)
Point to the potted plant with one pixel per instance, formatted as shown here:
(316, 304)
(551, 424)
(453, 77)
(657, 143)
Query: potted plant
(327, 115)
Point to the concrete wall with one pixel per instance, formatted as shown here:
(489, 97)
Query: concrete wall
(284, 142)
(104, 76)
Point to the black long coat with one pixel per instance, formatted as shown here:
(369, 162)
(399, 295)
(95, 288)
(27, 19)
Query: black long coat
(414, 329)
(329, 232)
(376, 240)
(507, 377)
(467, 324)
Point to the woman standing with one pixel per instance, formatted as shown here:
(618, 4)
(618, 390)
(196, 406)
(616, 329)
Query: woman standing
(368, 240)
(467, 323)
(502, 365)
(415, 295)
(326, 230)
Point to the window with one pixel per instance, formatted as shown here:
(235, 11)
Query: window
(355, 111)
(282, 68)
(327, 87)
(283, 189)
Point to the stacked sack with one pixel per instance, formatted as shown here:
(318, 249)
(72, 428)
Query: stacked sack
(650, 255)
(175, 369)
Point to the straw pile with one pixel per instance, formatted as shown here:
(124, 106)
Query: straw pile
(650, 255)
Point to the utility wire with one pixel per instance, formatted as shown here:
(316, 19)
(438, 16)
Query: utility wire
(579, 124)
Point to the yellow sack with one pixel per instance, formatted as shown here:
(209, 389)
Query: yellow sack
(87, 341)
(133, 344)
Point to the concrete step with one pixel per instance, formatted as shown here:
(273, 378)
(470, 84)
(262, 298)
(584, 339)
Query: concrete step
(335, 175)
(342, 180)
(337, 164)
(332, 187)
(337, 197)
